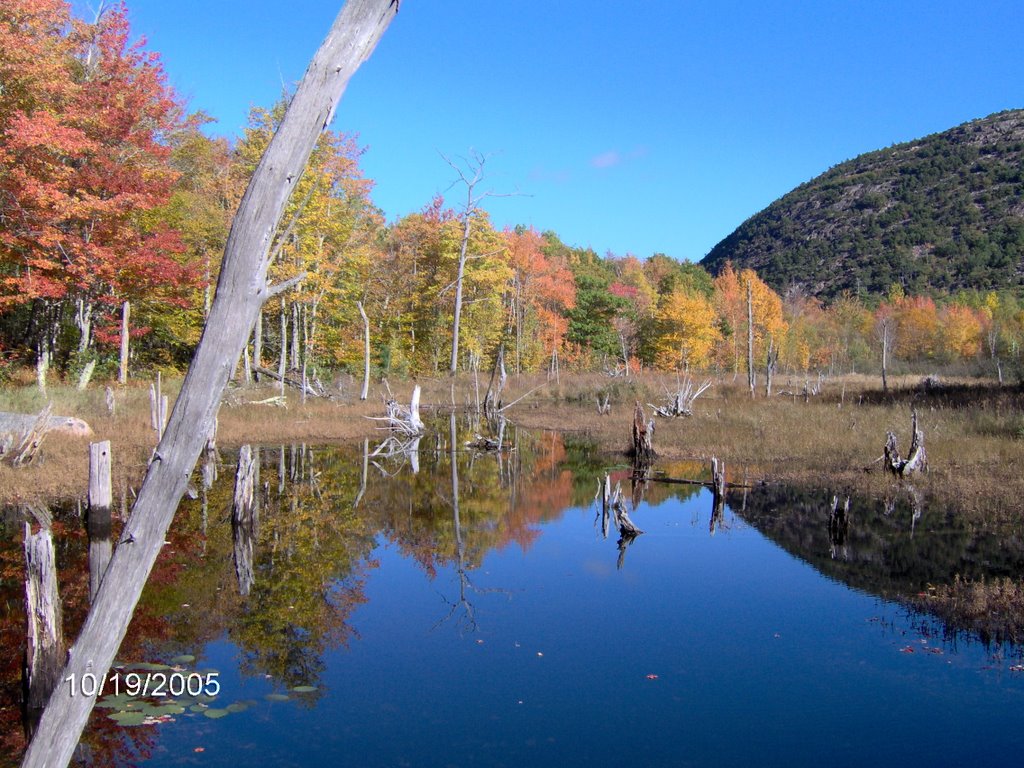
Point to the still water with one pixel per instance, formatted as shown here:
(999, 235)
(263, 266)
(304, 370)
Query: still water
(475, 615)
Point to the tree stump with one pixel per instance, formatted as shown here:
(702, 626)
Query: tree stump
(642, 449)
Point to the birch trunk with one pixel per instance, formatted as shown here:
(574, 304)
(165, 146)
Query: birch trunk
(241, 291)
(122, 375)
(366, 351)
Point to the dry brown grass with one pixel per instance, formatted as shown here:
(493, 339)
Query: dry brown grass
(993, 610)
(973, 434)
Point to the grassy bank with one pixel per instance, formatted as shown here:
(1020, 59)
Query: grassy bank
(974, 433)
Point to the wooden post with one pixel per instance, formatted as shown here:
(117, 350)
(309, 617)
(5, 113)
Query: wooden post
(122, 375)
(101, 498)
(242, 289)
(44, 652)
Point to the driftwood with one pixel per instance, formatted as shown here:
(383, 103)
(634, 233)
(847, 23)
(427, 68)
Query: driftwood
(642, 448)
(309, 387)
(401, 419)
(23, 451)
(680, 402)
(15, 425)
(916, 459)
(242, 290)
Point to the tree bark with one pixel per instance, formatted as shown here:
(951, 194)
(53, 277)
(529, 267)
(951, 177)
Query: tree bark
(101, 498)
(44, 630)
(241, 291)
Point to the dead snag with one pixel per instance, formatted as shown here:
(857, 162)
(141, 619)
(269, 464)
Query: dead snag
(604, 405)
(403, 420)
(642, 449)
(44, 652)
(627, 528)
(916, 459)
(492, 400)
(680, 402)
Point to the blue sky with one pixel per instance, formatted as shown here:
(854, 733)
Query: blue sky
(630, 127)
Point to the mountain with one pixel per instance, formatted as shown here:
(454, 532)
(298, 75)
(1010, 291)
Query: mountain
(942, 213)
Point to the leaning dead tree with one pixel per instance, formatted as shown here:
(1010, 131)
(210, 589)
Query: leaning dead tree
(680, 402)
(242, 289)
(916, 458)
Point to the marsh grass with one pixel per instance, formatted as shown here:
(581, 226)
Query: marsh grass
(973, 432)
(991, 609)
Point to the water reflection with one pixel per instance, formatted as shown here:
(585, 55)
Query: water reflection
(279, 566)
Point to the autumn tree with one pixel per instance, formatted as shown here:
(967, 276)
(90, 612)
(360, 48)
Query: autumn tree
(84, 117)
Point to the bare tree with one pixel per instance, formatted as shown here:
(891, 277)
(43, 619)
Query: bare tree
(242, 290)
(885, 332)
(470, 172)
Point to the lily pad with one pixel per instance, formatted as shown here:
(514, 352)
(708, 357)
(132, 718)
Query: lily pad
(277, 697)
(185, 658)
(167, 709)
(304, 688)
(198, 708)
(146, 666)
(216, 714)
(237, 707)
(128, 718)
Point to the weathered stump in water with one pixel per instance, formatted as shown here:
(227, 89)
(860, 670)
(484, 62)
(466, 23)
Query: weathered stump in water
(101, 497)
(44, 650)
(642, 448)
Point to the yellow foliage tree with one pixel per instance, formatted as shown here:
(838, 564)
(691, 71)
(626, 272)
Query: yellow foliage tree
(687, 327)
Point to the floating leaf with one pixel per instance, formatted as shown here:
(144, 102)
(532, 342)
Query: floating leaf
(167, 709)
(216, 714)
(237, 707)
(277, 697)
(148, 667)
(304, 688)
(185, 658)
(128, 718)
(198, 708)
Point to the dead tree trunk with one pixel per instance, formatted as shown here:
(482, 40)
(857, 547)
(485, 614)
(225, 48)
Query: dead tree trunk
(642, 449)
(751, 375)
(366, 351)
(492, 400)
(44, 652)
(916, 458)
(241, 290)
(101, 497)
(769, 369)
(717, 494)
(122, 374)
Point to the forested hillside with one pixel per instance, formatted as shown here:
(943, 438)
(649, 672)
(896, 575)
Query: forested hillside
(939, 214)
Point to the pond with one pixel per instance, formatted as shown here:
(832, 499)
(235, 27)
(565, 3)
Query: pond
(407, 610)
